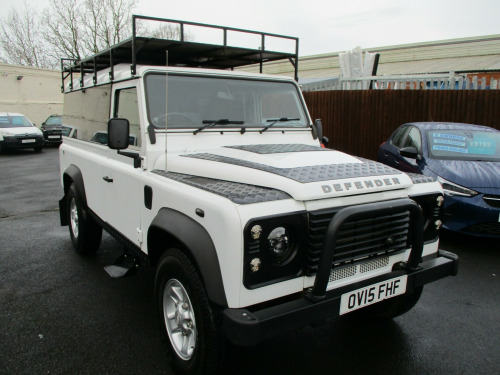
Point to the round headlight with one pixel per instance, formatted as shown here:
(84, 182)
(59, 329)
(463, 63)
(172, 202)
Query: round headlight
(280, 244)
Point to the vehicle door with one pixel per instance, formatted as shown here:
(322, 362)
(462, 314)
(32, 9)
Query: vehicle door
(125, 196)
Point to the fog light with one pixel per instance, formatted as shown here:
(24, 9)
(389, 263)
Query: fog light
(256, 232)
(438, 224)
(255, 264)
(439, 201)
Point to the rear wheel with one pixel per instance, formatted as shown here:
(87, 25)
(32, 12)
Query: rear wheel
(189, 321)
(85, 233)
(393, 307)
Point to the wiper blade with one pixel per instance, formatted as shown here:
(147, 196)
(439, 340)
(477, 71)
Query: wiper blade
(212, 123)
(276, 120)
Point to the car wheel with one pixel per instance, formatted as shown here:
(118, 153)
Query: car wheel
(189, 322)
(392, 307)
(38, 149)
(85, 233)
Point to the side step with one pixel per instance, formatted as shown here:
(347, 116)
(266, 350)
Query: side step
(124, 265)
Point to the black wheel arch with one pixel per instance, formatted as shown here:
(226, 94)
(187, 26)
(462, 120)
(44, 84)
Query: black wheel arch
(171, 228)
(72, 175)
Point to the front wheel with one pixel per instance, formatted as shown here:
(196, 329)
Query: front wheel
(189, 321)
(85, 233)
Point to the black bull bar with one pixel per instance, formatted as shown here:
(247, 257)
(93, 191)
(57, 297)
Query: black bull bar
(248, 327)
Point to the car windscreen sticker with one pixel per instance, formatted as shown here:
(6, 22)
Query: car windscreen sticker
(450, 142)
(450, 149)
(449, 136)
(482, 146)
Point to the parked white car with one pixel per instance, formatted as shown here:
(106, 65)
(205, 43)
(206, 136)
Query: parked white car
(16, 132)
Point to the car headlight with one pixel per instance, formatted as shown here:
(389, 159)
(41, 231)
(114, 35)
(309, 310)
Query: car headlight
(8, 134)
(274, 247)
(452, 189)
(280, 245)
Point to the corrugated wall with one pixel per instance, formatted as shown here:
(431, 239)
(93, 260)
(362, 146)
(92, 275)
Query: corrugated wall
(357, 122)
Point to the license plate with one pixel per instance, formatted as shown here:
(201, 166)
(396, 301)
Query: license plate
(28, 141)
(54, 136)
(371, 294)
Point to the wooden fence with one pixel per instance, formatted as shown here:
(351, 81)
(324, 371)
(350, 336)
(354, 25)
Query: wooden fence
(358, 121)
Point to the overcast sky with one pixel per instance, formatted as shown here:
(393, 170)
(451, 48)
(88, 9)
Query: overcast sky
(331, 25)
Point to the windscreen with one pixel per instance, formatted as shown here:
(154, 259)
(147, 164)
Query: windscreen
(195, 100)
(464, 145)
(54, 120)
(14, 122)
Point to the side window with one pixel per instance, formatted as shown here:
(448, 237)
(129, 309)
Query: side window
(86, 113)
(126, 106)
(414, 139)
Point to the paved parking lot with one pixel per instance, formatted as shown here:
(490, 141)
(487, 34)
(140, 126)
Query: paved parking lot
(61, 314)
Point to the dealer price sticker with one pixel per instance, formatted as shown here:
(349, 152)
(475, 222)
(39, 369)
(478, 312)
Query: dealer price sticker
(371, 294)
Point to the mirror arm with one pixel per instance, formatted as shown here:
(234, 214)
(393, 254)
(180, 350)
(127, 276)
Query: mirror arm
(134, 155)
(152, 134)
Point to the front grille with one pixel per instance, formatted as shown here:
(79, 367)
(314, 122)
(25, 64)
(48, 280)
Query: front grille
(492, 228)
(357, 239)
(355, 269)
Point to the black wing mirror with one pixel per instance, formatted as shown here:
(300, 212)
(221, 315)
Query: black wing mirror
(118, 133)
(409, 152)
(317, 129)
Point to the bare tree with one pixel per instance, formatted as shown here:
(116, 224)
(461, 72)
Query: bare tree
(74, 29)
(21, 41)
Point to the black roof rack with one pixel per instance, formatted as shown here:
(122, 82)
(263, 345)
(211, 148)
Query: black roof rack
(152, 51)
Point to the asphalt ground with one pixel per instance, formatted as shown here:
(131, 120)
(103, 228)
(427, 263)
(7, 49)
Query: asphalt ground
(60, 313)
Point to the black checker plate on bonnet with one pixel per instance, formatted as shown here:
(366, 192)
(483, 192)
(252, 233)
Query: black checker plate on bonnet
(236, 192)
(279, 148)
(313, 173)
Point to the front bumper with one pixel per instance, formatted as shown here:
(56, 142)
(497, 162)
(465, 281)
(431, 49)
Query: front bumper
(52, 136)
(472, 215)
(17, 142)
(247, 328)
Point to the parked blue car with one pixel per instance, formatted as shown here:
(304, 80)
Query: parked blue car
(464, 158)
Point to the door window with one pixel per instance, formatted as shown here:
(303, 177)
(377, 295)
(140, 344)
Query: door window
(126, 106)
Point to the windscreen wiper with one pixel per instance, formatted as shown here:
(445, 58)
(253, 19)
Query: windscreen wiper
(275, 120)
(212, 123)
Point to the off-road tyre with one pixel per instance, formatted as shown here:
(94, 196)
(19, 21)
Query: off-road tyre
(182, 302)
(85, 232)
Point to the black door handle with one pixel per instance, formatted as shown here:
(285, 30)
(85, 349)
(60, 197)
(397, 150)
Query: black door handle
(107, 179)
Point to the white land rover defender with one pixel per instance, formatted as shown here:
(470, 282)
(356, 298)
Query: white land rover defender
(218, 179)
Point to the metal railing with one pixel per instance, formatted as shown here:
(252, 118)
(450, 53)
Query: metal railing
(407, 82)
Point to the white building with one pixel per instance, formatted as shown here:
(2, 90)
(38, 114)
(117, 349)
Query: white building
(34, 92)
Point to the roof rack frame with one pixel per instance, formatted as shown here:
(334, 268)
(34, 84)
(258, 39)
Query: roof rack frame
(150, 51)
